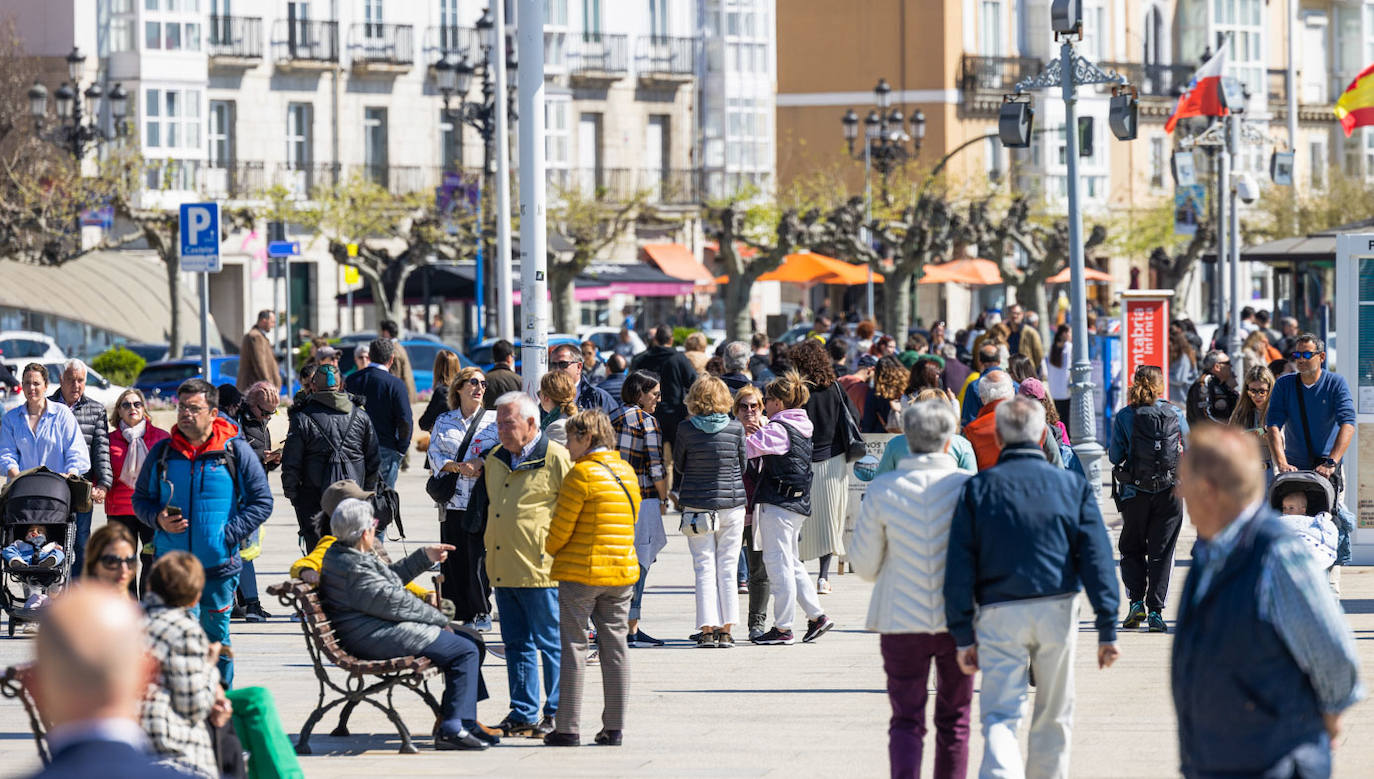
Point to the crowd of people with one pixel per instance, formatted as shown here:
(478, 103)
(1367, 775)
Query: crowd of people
(979, 529)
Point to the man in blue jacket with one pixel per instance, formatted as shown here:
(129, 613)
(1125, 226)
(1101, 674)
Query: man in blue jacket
(203, 491)
(1026, 537)
(388, 406)
(1264, 662)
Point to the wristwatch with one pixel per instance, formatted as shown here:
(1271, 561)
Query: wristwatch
(1328, 462)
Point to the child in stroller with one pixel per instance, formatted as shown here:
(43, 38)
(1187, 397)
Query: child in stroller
(37, 506)
(34, 550)
(1304, 500)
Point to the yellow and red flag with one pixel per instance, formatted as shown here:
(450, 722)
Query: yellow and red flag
(1355, 108)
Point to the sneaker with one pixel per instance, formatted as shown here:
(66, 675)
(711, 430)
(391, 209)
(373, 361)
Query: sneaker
(482, 623)
(724, 640)
(823, 587)
(815, 628)
(706, 640)
(253, 612)
(48, 562)
(1157, 623)
(774, 637)
(593, 656)
(743, 588)
(544, 728)
(695, 637)
(237, 612)
(515, 727)
(644, 639)
(755, 633)
(1135, 616)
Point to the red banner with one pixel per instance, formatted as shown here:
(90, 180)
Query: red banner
(1145, 336)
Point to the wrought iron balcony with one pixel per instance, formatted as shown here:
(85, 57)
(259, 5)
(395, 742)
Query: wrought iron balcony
(305, 43)
(665, 57)
(995, 74)
(451, 40)
(233, 179)
(382, 45)
(598, 56)
(1154, 80)
(235, 38)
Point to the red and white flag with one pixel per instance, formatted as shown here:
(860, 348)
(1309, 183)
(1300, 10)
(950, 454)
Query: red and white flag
(1203, 96)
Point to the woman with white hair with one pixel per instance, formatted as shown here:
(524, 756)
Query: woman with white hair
(376, 618)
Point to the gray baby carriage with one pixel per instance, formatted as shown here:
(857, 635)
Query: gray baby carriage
(39, 497)
(1321, 496)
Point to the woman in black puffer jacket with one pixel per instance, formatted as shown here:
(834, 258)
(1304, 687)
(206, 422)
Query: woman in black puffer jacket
(708, 478)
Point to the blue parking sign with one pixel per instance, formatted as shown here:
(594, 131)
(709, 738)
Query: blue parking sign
(199, 230)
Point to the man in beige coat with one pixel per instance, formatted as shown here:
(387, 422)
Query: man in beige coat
(257, 360)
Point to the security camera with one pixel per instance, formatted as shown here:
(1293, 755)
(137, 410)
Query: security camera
(1246, 189)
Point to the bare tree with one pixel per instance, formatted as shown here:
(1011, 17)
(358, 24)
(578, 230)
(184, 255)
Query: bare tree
(1171, 269)
(770, 236)
(591, 223)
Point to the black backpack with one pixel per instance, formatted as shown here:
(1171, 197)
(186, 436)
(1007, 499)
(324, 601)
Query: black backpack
(1156, 442)
(340, 467)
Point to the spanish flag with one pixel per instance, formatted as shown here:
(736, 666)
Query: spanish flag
(1355, 108)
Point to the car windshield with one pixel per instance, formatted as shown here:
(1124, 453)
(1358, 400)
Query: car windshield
(604, 341)
(161, 374)
(14, 348)
(422, 354)
(149, 352)
(481, 355)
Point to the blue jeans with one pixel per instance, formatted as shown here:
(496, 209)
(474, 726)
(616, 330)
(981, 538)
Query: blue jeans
(248, 581)
(390, 465)
(83, 533)
(637, 596)
(529, 629)
(216, 601)
(456, 656)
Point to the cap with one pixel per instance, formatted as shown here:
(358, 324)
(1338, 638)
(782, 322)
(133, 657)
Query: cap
(867, 361)
(327, 375)
(340, 491)
(326, 353)
(1032, 388)
(229, 395)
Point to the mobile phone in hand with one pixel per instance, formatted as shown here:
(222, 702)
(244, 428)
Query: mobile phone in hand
(173, 511)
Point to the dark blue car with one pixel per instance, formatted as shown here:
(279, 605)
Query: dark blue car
(161, 379)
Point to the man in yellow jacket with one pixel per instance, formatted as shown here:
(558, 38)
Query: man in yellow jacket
(523, 477)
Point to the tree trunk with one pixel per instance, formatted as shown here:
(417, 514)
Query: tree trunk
(174, 338)
(897, 303)
(384, 306)
(563, 289)
(739, 325)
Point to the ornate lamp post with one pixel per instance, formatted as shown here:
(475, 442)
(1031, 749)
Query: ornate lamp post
(78, 127)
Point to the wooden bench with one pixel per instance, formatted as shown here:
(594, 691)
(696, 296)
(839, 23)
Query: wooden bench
(14, 684)
(410, 672)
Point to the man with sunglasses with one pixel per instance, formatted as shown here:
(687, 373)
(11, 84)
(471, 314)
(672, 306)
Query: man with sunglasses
(1213, 397)
(1310, 423)
(568, 358)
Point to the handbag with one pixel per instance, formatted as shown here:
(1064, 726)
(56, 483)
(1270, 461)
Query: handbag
(855, 447)
(442, 484)
(698, 523)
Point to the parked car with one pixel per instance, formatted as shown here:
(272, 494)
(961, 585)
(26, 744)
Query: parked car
(10, 393)
(367, 336)
(422, 353)
(97, 386)
(152, 351)
(481, 354)
(794, 335)
(18, 347)
(606, 339)
(161, 379)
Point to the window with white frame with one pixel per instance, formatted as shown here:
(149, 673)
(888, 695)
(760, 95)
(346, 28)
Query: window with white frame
(994, 166)
(1317, 163)
(1158, 161)
(555, 13)
(123, 29)
(172, 118)
(658, 18)
(372, 18)
(172, 25)
(1094, 45)
(450, 143)
(221, 133)
(1243, 20)
(591, 17)
(991, 38)
(556, 143)
(298, 136)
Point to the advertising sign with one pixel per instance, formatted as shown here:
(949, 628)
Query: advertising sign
(861, 472)
(1190, 203)
(1145, 332)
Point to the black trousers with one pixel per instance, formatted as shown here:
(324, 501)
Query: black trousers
(1149, 529)
(758, 581)
(307, 506)
(465, 570)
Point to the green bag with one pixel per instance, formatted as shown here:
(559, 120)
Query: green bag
(270, 753)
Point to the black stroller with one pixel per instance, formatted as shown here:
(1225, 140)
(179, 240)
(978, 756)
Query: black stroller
(39, 497)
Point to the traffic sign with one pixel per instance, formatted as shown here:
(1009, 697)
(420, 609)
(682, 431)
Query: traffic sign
(284, 249)
(199, 230)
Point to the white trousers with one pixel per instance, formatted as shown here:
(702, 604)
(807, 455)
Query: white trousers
(788, 581)
(1041, 632)
(715, 559)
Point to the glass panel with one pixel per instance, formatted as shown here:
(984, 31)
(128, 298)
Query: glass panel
(192, 37)
(152, 35)
(173, 103)
(152, 103)
(173, 39)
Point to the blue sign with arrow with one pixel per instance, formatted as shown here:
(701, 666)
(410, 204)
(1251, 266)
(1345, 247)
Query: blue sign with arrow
(284, 249)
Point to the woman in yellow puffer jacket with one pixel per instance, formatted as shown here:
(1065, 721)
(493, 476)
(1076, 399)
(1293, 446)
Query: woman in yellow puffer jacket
(592, 541)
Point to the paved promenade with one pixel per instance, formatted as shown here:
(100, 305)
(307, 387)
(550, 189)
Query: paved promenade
(805, 710)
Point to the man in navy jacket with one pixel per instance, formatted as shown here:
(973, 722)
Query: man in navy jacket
(388, 406)
(1026, 537)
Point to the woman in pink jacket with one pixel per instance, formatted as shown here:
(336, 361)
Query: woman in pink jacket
(132, 434)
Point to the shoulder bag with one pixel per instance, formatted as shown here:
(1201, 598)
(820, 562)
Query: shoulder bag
(442, 484)
(854, 440)
(1312, 454)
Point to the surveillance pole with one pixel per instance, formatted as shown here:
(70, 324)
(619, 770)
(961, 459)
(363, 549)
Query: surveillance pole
(1233, 123)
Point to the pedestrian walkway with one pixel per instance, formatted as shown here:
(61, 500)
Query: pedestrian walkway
(805, 710)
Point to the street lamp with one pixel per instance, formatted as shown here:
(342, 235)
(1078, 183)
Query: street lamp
(78, 128)
(1015, 120)
(885, 148)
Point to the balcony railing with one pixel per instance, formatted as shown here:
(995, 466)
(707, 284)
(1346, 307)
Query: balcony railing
(382, 44)
(665, 186)
(302, 179)
(665, 55)
(400, 179)
(1276, 80)
(995, 74)
(238, 37)
(234, 180)
(451, 40)
(305, 41)
(598, 54)
(1154, 80)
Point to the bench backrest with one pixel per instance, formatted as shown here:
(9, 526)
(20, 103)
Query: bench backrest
(322, 639)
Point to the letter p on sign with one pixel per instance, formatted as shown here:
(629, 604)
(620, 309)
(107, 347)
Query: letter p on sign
(199, 229)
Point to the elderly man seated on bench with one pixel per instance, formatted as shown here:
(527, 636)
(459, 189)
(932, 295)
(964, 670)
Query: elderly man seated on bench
(376, 618)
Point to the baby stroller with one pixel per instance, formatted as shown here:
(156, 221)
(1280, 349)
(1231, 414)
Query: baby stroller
(40, 497)
(1321, 500)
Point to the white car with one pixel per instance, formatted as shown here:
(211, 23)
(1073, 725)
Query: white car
(606, 338)
(19, 347)
(97, 387)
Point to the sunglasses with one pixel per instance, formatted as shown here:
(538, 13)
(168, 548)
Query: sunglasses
(1257, 390)
(476, 382)
(115, 561)
(559, 365)
(749, 406)
(1304, 355)
(131, 404)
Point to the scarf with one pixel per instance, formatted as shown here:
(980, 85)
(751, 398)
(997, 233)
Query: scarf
(710, 423)
(138, 452)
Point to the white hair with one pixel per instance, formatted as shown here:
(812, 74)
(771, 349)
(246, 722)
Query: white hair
(350, 520)
(360, 351)
(525, 404)
(736, 357)
(1020, 420)
(929, 425)
(995, 385)
(73, 365)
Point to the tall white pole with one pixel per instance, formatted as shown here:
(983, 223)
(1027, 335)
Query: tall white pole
(1232, 149)
(504, 326)
(868, 218)
(534, 282)
(205, 324)
(1293, 81)
(1222, 227)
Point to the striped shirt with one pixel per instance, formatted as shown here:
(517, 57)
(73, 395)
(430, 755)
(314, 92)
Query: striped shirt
(641, 445)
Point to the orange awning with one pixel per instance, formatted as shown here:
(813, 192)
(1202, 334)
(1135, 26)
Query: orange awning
(744, 251)
(975, 273)
(812, 268)
(1089, 275)
(677, 261)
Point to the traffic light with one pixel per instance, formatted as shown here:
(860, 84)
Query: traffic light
(1085, 136)
(1015, 120)
(1123, 112)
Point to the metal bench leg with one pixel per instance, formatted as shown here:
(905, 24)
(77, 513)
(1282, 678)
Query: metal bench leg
(342, 729)
(303, 742)
(407, 748)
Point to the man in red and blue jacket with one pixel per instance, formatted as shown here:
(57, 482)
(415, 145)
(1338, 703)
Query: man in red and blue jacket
(203, 491)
